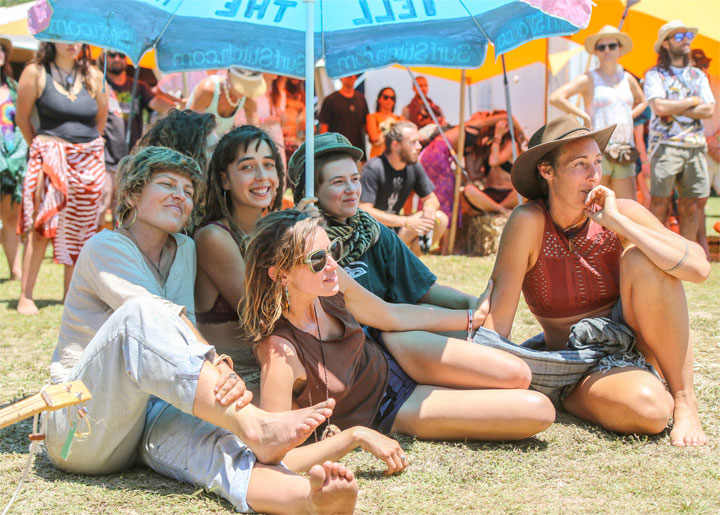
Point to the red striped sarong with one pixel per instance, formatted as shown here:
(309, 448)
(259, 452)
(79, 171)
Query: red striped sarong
(73, 178)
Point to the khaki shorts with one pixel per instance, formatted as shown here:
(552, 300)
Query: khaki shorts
(616, 170)
(683, 167)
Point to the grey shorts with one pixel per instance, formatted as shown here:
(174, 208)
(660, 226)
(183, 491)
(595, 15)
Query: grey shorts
(684, 167)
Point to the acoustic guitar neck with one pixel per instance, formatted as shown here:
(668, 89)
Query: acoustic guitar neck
(51, 398)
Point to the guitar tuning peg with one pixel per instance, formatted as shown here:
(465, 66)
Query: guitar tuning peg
(82, 412)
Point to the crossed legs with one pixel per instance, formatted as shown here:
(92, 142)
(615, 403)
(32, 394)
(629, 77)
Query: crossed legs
(634, 401)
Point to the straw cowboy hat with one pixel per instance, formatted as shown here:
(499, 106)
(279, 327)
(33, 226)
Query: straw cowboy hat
(557, 132)
(608, 31)
(248, 83)
(669, 28)
(7, 45)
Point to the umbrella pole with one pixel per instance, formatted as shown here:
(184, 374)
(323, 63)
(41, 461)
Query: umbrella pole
(459, 169)
(309, 98)
(508, 108)
(128, 128)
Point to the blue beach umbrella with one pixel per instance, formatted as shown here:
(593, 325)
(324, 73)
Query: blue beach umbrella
(270, 35)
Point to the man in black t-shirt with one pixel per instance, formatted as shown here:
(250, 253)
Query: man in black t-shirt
(345, 111)
(388, 180)
(119, 101)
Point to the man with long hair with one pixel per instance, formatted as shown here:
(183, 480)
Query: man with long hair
(680, 98)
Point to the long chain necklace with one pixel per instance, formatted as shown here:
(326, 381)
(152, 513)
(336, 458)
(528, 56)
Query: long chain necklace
(67, 81)
(330, 429)
(147, 258)
(226, 91)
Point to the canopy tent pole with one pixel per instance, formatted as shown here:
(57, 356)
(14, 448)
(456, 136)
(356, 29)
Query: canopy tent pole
(459, 169)
(309, 98)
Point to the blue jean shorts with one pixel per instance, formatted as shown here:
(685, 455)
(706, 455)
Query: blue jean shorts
(399, 388)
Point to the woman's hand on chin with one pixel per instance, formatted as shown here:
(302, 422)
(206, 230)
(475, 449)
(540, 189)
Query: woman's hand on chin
(601, 207)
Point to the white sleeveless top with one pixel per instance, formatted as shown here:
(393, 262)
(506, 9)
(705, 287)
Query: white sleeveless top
(223, 124)
(612, 104)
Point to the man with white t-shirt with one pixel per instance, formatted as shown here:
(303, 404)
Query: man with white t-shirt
(680, 98)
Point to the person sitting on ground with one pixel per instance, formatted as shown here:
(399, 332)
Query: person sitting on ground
(127, 332)
(304, 312)
(374, 256)
(576, 252)
(223, 96)
(379, 122)
(388, 180)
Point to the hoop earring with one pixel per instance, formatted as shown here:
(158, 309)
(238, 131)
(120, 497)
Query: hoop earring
(121, 224)
(225, 196)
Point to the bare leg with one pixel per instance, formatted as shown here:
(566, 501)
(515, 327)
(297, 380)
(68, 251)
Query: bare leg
(34, 254)
(331, 488)
(702, 235)
(655, 308)
(441, 225)
(269, 435)
(625, 400)
(624, 188)
(411, 239)
(660, 207)
(481, 202)
(434, 359)
(69, 269)
(433, 413)
(9, 211)
(688, 213)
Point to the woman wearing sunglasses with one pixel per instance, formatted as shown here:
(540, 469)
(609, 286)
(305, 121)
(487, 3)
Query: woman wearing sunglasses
(611, 96)
(379, 122)
(304, 313)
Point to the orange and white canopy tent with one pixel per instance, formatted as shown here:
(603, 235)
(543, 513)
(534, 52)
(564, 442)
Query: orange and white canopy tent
(642, 23)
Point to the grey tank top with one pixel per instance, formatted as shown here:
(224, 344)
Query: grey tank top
(69, 120)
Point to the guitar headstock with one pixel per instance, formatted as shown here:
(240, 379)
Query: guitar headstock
(58, 396)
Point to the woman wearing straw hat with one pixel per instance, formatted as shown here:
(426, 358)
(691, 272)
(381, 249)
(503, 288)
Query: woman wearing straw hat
(578, 253)
(611, 97)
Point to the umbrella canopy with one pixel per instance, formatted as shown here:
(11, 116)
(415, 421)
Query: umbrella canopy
(352, 36)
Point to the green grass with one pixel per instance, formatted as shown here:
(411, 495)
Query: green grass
(572, 467)
(712, 215)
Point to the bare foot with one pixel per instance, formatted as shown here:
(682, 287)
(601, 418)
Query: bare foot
(27, 306)
(333, 489)
(272, 435)
(687, 430)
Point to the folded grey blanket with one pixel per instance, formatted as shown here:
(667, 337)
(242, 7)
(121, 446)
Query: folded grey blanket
(595, 344)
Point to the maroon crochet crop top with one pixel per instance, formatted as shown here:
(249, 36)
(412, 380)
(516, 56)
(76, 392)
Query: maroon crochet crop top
(573, 275)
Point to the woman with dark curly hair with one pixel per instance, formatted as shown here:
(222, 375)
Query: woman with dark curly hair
(66, 172)
(245, 179)
(13, 161)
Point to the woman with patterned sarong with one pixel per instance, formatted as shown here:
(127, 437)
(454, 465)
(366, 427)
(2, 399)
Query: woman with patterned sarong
(66, 171)
(13, 161)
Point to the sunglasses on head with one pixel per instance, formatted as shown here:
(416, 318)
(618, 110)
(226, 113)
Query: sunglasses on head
(388, 97)
(115, 55)
(609, 46)
(683, 35)
(317, 259)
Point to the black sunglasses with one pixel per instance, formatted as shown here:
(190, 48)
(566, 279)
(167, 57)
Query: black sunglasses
(317, 259)
(602, 47)
(115, 55)
(388, 97)
(683, 35)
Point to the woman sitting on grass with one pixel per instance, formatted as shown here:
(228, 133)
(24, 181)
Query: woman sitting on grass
(159, 391)
(379, 261)
(576, 252)
(305, 313)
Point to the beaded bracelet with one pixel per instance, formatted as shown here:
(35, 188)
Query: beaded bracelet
(470, 325)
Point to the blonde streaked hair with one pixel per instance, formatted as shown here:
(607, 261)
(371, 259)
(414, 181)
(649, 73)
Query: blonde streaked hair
(280, 240)
(135, 171)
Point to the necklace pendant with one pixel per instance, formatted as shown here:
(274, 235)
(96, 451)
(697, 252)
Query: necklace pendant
(570, 244)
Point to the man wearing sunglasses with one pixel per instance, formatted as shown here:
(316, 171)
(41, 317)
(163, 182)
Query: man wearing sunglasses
(680, 98)
(118, 114)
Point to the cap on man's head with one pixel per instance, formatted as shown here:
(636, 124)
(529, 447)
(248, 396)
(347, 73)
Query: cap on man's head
(324, 144)
(669, 28)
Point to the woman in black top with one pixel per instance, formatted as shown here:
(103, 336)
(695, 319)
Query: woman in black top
(66, 172)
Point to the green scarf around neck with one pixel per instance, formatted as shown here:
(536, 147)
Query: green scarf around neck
(359, 232)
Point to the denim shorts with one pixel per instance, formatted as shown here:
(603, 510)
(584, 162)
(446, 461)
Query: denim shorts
(399, 388)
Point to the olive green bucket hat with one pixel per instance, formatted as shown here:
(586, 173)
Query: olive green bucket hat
(324, 144)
